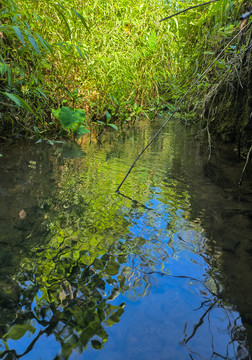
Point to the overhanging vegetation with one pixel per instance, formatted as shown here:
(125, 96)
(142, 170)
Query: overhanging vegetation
(114, 61)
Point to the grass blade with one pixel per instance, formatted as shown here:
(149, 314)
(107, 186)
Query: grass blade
(64, 19)
(79, 51)
(34, 44)
(4, 68)
(81, 19)
(19, 33)
(46, 45)
(18, 101)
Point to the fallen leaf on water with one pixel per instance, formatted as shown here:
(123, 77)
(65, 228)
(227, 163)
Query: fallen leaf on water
(22, 214)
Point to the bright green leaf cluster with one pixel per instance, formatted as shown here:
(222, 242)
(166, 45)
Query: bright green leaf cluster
(72, 119)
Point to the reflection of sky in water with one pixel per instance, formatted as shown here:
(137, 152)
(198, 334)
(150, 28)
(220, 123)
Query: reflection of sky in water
(181, 315)
(174, 308)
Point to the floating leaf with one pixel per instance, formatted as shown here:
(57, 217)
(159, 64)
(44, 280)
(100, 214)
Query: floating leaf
(22, 214)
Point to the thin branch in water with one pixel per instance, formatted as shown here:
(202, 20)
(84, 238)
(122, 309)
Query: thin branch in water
(191, 7)
(243, 170)
(201, 320)
(136, 202)
(178, 107)
(209, 140)
(180, 277)
(202, 305)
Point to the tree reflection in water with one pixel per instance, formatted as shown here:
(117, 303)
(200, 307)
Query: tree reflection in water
(103, 259)
(57, 294)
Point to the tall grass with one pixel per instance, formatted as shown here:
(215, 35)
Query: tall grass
(122, 60)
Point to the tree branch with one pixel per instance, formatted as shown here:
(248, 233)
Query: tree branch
(191, 7)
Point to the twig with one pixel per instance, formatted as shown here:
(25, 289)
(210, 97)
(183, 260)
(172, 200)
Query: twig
(243, 170)
(191, 7)
(177, 107)
(200, 322)
(209, 140)
(246, 15)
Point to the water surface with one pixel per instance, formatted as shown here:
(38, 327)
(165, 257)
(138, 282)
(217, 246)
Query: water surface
(163, 272)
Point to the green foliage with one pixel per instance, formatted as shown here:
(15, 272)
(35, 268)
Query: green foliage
(18, 101)
(73, 120)
(18, 331)
(120, 58)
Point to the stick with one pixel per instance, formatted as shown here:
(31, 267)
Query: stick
(243, 170)
(191, 7)
(177, 107)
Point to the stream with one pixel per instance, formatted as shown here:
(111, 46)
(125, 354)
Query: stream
(161, 272)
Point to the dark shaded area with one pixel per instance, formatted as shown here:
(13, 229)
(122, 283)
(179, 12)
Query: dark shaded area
(228, 104)
(227, 219)
(233, 226)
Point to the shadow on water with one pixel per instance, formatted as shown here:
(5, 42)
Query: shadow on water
(163, 272)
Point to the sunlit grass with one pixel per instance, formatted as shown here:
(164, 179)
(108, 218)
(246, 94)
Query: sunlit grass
(117, 54)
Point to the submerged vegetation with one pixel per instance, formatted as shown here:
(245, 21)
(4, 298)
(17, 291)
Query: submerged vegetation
(67, 66)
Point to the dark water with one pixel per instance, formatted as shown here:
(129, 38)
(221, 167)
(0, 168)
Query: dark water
(163, 272)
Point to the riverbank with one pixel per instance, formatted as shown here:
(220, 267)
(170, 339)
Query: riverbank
(66, 67)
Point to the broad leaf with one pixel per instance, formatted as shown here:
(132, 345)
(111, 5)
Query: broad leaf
(56, 113)
(82, 130)
(69, 118)
(18, 331)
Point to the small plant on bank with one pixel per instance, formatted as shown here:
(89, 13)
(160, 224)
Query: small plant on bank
(72, 120)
